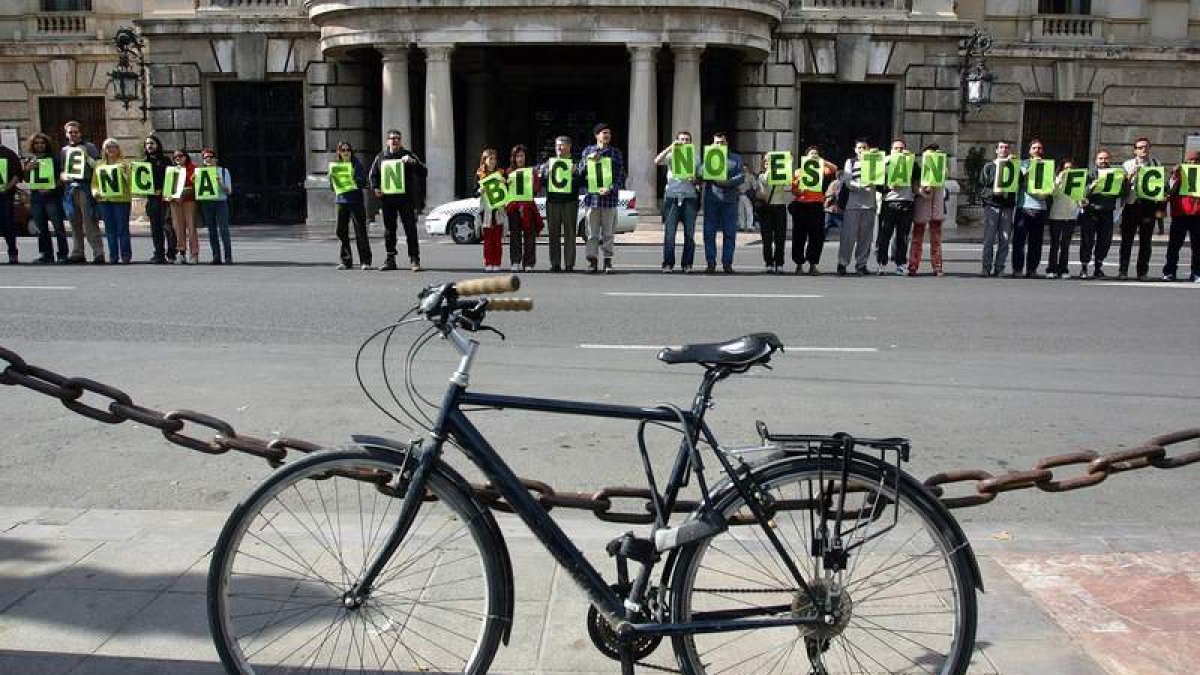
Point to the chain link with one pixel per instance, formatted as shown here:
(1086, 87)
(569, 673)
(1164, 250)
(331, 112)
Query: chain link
(1096, 467)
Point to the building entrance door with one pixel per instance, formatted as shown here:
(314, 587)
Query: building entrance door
(833, 115)
(1063, 127)
(55, 111)
(260, 139)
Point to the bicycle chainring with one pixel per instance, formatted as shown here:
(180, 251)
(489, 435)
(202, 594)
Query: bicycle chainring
(605, 638)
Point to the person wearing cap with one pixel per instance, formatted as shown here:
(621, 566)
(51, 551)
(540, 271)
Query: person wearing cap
(602, 205)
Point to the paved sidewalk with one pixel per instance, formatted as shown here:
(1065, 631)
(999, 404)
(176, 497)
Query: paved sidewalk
(118, 592)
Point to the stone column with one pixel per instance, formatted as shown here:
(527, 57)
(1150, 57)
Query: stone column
(643, 127)
(685, 96)
(396, 110)
(439, 125)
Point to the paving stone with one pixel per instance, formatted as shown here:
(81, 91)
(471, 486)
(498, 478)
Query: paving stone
(143, 566)
(174, 624)
(69, 621)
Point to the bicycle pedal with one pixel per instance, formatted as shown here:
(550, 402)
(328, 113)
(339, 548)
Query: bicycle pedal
(695, 529)
(632, 548)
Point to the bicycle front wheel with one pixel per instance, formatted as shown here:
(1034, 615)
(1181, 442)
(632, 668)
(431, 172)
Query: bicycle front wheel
(903, 603)
(281, 574)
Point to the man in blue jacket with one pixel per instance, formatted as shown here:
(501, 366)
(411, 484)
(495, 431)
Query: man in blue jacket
(721, 211)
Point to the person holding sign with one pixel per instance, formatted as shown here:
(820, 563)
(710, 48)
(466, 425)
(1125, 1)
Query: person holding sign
(773, 187)
(1143, 201)
(1063, 214)
(213, 187)
(524, 221)
(1096, 216)
(809, 182)
(393, 175)
(77, 157)
(42, 168)
(562, 204)
(858, 213)
(493, 219)
(721, 196)
(347, 178)
(181, 196)
(162, 236)
(10, 174)
(896, 214)
(604, 168)
(110, 189)
(1185, 215)
(681, 200)
(998, 204)
(929, 210)
(1029, 221)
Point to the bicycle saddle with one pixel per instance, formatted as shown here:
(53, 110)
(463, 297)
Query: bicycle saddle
(746, 350)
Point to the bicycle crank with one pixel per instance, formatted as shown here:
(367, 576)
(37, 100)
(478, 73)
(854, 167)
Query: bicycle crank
(605, 638)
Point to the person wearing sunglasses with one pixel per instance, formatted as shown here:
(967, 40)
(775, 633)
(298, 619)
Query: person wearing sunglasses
(1138, 217)
(215, 212)
(350, 207)
(401, 205)
(183, 211)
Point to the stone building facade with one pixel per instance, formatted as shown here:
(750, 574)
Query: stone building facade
(275, 84)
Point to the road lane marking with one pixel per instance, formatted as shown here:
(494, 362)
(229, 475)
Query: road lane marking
(37, 288)
(651, 294)
(1147, 284)
(848, 350)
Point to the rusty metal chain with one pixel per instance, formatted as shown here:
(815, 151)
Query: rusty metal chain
(1096, 467)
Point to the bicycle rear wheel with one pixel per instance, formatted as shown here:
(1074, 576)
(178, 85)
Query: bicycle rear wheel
(905, 600)
(288, 556)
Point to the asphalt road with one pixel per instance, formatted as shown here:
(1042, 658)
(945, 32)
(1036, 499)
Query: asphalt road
(979, 373)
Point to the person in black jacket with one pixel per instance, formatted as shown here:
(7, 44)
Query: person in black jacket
(401, 204)
(156, 211)
(998, 207)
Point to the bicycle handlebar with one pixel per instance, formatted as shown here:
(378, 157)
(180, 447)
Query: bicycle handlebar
(487, 286)
(510, 304)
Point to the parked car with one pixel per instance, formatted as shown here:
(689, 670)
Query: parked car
(457, 218)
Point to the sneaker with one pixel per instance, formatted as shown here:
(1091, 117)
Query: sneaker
(366, 266)
(687, 269)
(527, 268)
(666, 269)
(195, 259)
(813, 270)
(841, 270)
(1099, 274)
(414, 266)
(158, 260)
(181, 259)
(939, 273)
(1083, 274)
(341, 266)
(514, 267)
(608, 265)
(901, 270)
(389, 264)
(881, 271)
(727, 269)
(1196, 279)
(44, 260)
(1168, 277)
(710, 268)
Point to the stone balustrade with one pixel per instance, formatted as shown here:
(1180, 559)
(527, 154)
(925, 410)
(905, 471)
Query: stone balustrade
(61, 24)
(856, 5)
(1068, 28)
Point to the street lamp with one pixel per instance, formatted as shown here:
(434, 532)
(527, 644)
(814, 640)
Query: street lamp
(975, 80)
(128, 79)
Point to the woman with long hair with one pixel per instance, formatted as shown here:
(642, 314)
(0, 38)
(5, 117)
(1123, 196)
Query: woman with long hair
(524, 221)
(114, 203)
(183, 211)
(350, 206)
(46, 206)
(492, 222)
(215, 212)
(161, 233)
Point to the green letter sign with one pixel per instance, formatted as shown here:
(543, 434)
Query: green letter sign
(206, 183)
(520, 185)
(900, 169)
(74, 161)
(1040, 177)
(683, 161)
(1074, 184)
(110, 179)
(42, 176)
(808, 178)
(779, 168)
(716, 163)
(1008, 175)
(558, 176)
(1189, 175)
(3, 171)
(1110, 182)
(173, 181)
(341, 177)
(1151, 183)
(141, 179)
(933, 169)
(872, 168)
(391, 177)
(494, 190)
(600, 174)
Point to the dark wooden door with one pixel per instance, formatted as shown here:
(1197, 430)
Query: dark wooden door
(55, 111)
(833, 115)
(260, 139)
(1063, 127)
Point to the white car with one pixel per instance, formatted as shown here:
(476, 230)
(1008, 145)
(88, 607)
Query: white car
(457, 218)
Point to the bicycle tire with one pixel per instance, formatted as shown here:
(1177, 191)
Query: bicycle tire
(284, 559)
(909, 634)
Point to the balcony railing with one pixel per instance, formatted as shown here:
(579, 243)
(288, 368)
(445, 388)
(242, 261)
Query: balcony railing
(1068, 28)
(56, 24)
(249, 4)
(856, 5)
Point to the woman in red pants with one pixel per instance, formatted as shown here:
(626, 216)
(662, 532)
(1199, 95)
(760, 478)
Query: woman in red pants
(492, 222)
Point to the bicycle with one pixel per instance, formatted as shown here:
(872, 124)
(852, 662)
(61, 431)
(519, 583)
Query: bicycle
(380, 557)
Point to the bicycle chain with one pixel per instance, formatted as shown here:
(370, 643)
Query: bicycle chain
(172, 424)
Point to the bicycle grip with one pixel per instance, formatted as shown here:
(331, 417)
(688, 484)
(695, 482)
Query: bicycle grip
(510, 304)
(487, 285)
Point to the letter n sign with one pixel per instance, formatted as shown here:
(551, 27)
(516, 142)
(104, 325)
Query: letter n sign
(391, 177)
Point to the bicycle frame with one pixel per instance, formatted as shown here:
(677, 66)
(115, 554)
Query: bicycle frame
(453, 423)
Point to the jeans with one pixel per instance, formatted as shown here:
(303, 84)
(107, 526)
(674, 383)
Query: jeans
(216, 218)
(402, 207)
(116, 230)
(346, 212)
(1183, 227)
(808, 232)
(833, 220)
(997, 231)
(7, 227)
(1095, 236)
(676, 211)
(720, 216)
(1029, 227)
(773, 221)
(46, 211)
